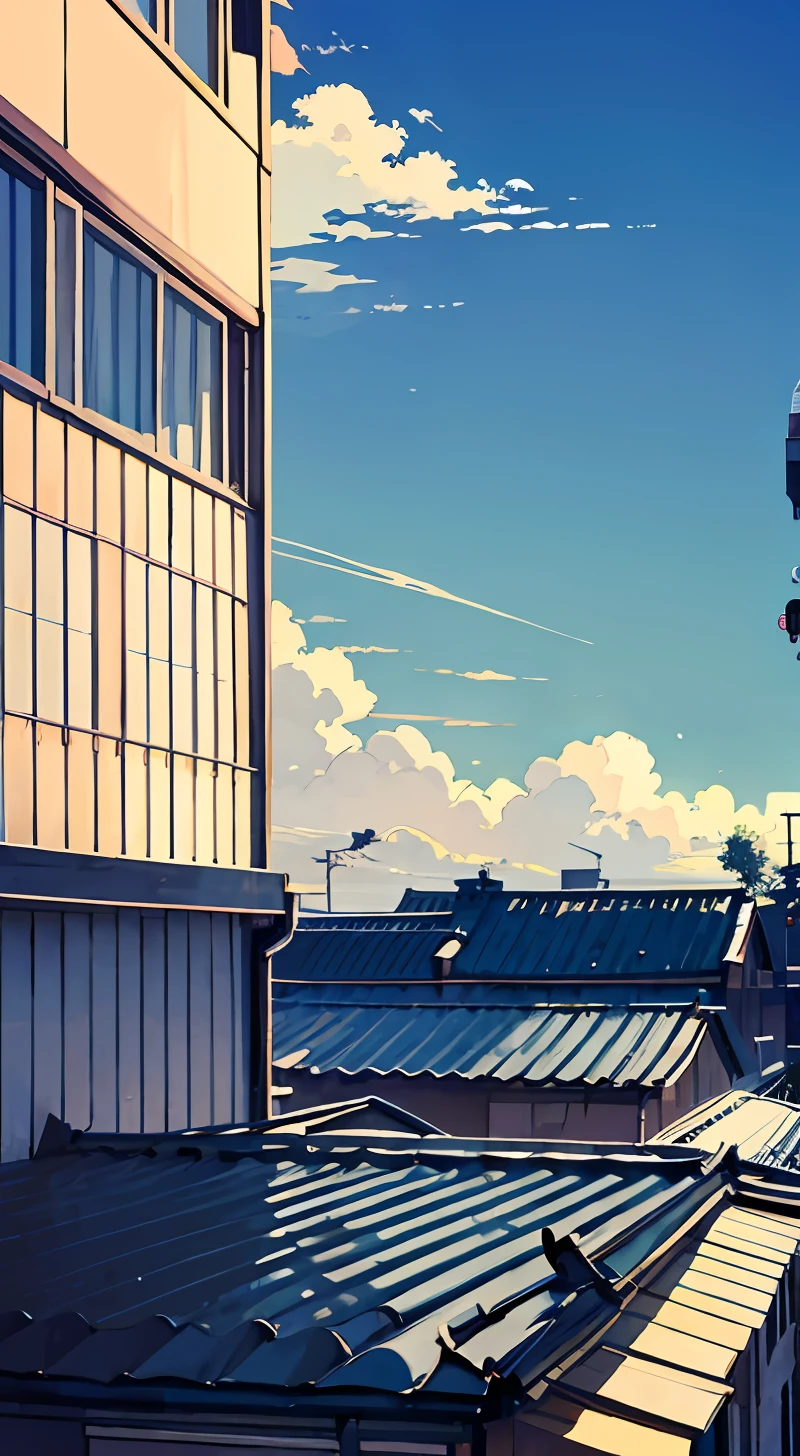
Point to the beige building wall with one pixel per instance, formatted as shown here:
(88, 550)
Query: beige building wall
(129, 571)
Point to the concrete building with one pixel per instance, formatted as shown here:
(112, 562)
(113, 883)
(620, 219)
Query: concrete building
(134, 420)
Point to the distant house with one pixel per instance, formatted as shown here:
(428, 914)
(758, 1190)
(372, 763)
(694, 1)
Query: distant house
(600, 1013)
(351, 1282)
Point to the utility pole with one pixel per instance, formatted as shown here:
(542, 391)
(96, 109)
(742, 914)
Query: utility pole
(337, 859)
(789, 815)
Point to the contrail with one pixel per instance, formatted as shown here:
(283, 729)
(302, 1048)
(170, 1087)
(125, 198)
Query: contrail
(407, 583)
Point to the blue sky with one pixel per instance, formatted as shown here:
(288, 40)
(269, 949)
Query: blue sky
(594, 439)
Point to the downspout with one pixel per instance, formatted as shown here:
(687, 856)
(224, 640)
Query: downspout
(644, 1098)
(290, 925)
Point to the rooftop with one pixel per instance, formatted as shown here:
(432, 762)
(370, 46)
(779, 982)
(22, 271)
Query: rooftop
(352, 1258)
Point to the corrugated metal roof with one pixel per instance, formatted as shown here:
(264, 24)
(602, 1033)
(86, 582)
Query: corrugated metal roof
(601, 935)
(764, 1130)
(546, 1046)
(180, 1257)
(427, 900)
(385, 948)
(589, 936)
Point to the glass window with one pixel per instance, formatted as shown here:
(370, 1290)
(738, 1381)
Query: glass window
(21, 274)
(195, 36)
(192, 384)
(118, 336)
(17, 450)
(50, 622)
(65, 301)
(145, 8)
(79, 630)
(18, 780)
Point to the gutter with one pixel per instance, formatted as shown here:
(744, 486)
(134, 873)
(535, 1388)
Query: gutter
(281, 938)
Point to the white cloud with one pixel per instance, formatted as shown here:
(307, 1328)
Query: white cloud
(316, 275)
(488, 227)
(324, 619)
(582, 226)
(352, 229)
(604, 794)
(487, 675)
(390, 307)
(527, 226)
(365, 649)
(337, 161)
(422, 117)
(519, 184)
(387, 576)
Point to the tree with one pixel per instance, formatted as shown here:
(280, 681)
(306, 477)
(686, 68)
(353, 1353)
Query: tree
(741, 855)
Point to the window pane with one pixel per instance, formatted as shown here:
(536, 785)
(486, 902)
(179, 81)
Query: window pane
(108, 491)
(224, 675)
(160, 805)
(18, 780)
(136, 801)
(204, 608)
(109, 798)
(204, 812)
(50, 622)
(136, 650)
(80, 479)
(109, 638)
(21, 274)
(195, 37)
(65, 301)
(50, 786)
(145, 8)
(17, 450)
(80, 793)
(192, 384)
(242, 803)
(79, 631)
(50, 465)
(224, 807)
(118, 336)
(183, 808)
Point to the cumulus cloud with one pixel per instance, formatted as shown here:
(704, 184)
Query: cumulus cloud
(324, 619)
(605, 794)
(315, 275)
(582, 226)
(353, 229)
(341, 158)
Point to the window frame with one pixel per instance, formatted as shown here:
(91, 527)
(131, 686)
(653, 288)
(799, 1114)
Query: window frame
(42, 183)
(161, 35)
(162, 277)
